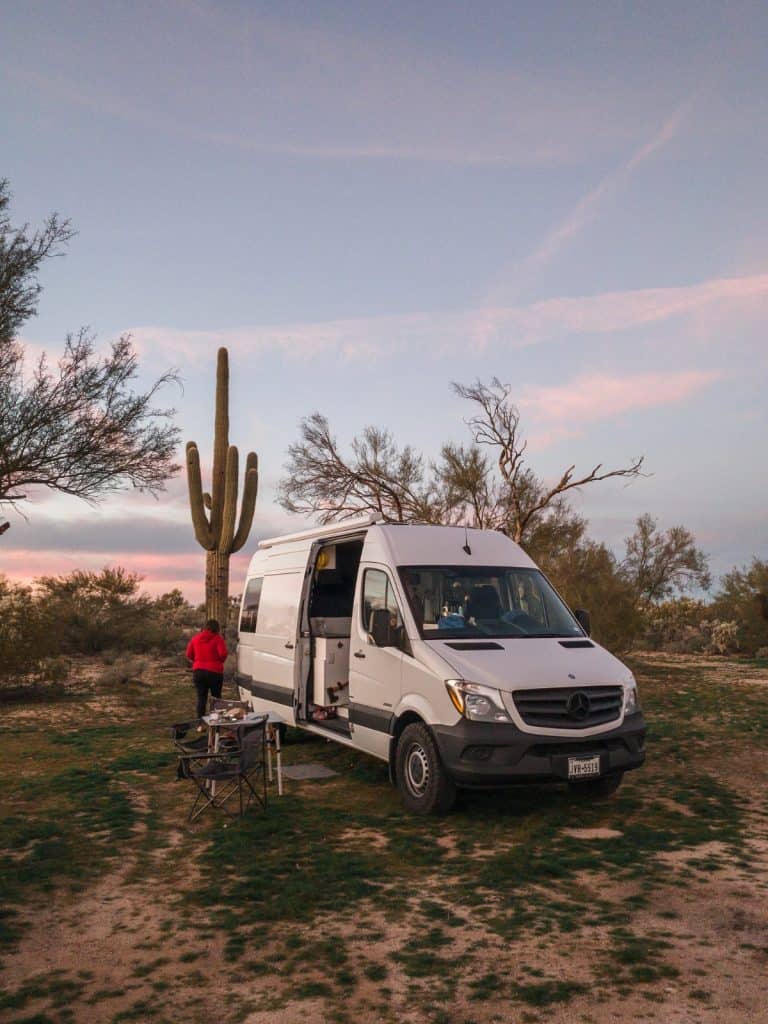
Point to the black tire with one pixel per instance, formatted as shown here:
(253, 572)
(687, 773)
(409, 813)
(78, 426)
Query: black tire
(424, 786)
(597, 789)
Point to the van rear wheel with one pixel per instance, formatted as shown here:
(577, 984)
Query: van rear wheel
(424, 786)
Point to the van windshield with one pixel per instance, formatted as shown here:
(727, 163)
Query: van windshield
(449, 602)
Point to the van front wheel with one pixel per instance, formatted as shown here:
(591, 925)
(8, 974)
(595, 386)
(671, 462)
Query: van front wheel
(423, 783)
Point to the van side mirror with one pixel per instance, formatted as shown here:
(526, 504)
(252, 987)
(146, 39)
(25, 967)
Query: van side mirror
(380, 629)
(583, 618)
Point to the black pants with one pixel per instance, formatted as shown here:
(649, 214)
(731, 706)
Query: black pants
(206, 681)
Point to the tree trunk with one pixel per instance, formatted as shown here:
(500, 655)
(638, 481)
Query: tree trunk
(217, 587)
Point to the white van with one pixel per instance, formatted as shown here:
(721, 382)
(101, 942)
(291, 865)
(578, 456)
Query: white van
(443, 651)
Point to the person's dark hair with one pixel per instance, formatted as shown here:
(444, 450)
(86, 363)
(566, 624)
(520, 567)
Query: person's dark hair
(212, 625)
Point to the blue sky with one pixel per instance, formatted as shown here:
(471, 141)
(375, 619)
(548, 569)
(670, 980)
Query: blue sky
(365, 202)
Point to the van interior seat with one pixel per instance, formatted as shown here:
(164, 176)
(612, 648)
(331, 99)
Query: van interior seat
(484, 603)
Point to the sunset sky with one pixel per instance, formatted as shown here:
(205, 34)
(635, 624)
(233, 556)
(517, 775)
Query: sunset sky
(366, 201)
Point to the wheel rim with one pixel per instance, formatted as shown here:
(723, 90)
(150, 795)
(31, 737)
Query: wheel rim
(417, 771)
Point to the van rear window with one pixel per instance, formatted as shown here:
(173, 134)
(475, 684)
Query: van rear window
(250, 612)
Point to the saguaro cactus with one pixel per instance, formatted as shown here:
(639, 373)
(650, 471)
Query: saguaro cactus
(215, 528)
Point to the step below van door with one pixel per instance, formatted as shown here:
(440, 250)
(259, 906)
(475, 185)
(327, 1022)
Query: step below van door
(375, 673)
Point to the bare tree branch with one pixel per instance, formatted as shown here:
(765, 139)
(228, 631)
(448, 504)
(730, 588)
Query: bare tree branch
(379, 477)
(486, 484)
(524, 497)
(21, 255)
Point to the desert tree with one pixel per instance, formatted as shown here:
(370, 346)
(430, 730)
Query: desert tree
(79, 427)
(486, 483)
(21, 255)
(661, 563)
(514, 498)
(377, 477)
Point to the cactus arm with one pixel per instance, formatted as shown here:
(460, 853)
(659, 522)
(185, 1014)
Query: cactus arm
(194, 480)
(220, 443)
(250, 490)
(229, 510)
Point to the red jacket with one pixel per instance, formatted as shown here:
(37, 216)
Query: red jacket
(207, 650)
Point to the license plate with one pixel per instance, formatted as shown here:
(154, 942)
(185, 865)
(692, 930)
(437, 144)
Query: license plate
(583, 767)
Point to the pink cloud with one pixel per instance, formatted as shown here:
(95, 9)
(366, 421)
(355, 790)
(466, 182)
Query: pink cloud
(599, 396)
(161, 572)
(508, 327)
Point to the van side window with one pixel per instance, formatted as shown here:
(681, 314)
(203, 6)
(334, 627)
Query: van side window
(378, 593)
(279, 606)
(250, 610)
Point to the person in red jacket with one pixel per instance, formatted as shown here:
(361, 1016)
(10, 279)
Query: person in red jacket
(207, 652)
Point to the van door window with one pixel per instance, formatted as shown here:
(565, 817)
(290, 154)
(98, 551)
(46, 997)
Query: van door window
(251, 601)
(377, 595)
(280, 604)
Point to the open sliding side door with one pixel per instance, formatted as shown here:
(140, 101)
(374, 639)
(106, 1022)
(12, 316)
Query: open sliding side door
(304, 639)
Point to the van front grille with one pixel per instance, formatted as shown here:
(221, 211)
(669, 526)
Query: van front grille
(569, 707)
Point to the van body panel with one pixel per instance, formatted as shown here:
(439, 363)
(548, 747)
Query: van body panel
(541, 664)
(532, 661)
(423, 689)
(427, 709)
(266, 697)
(375, 675)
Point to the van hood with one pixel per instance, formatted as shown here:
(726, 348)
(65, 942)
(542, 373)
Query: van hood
(533, 663)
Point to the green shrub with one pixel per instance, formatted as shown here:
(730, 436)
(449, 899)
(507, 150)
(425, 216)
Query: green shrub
(743, 599)
(25, 641)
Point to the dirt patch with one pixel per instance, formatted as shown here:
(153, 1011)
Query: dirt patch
(364, 837)
(592, 833)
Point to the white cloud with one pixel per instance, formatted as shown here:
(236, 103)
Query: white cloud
(511, 327)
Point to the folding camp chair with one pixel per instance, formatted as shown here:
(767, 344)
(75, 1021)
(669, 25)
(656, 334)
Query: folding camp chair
(189, 741)
(218, 776)
(190, 737)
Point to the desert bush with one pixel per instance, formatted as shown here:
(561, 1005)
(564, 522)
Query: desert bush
(743, 598)
(25, 641)
(723, 636)
(123, 670)
(97, 612)
(674, 624)
(92, 611)
(588, 576)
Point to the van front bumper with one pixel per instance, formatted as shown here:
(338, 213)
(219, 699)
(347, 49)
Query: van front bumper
(480, 754)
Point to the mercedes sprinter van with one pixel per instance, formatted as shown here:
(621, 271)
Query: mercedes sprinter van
(443, 651)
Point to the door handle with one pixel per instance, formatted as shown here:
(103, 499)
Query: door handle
(359, 654)
(289, 646)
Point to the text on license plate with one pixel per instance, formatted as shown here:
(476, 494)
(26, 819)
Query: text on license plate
(583, 767)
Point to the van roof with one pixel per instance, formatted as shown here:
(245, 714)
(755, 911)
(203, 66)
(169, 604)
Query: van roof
(415, 544)
(331, 530)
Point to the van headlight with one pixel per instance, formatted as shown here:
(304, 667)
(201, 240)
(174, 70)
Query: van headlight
(631, 699)
(476, 702)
